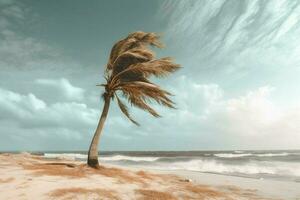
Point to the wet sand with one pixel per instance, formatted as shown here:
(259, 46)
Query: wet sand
(273, 189)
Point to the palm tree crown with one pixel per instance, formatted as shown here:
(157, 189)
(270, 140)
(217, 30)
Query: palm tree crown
(130, 65)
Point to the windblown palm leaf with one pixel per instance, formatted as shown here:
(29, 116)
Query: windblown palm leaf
(130, 64)
(124, 110)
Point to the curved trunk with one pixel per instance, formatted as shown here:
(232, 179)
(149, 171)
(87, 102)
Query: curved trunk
(93, 150)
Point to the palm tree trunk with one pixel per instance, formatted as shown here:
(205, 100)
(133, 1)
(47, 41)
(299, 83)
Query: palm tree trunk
(93, 151)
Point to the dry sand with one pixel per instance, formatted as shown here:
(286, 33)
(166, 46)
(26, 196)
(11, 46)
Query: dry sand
(24, 176)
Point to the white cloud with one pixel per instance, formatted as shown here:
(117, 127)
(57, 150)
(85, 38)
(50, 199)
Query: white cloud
(252, 112)
(49, 109)
(258, 122)
(250, 119)
(235, 38)
(239, 46)
(194, 99)
(63, 87)
(28, 111)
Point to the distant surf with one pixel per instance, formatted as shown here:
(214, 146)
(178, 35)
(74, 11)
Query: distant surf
(283, 165)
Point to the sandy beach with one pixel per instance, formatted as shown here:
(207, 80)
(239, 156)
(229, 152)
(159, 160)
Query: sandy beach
(24, 176)
(271, 189)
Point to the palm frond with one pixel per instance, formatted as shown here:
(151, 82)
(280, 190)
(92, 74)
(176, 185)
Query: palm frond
(147, 38)
(148, 90)
(138, 100)
(125, 111)
(133, 40)
(140, 103)
(159, 68)
(131, 57)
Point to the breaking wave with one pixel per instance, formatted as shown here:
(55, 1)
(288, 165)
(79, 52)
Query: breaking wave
(128, 158)
(69, 156)
(236, 155)
(231, 155)
(76, 156)
(249, 168)
(282, 165)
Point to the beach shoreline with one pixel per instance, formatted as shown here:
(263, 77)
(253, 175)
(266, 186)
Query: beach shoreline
(24, 176)
(277, 189)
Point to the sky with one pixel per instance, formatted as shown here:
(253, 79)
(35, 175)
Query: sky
(239, 86)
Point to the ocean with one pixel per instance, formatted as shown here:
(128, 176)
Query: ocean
(280, 165)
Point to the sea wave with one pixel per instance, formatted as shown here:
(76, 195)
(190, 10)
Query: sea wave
(128, 158)
(69, 156)
(232, 155)
(267, 165)
(251, 168)
(236, 155)
(74, 156)
(273, 154)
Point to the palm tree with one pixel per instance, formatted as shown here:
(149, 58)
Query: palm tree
(130, 64)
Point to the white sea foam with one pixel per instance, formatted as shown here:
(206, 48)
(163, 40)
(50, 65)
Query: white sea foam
(250, 168)
(240, 154)
(69, 156)
(73, 156)
(272, 154)
(129, 158)
(231, 155)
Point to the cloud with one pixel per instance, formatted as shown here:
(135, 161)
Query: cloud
(249, 119)
(63, 87)
(13, 10)
(251, 113)
(209, 117)
(29, 112)
(42, 114)
(234, 38)
(255, 119)
(16, 49)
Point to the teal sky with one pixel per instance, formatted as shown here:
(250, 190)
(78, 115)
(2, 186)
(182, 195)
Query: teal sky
(239, 87)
